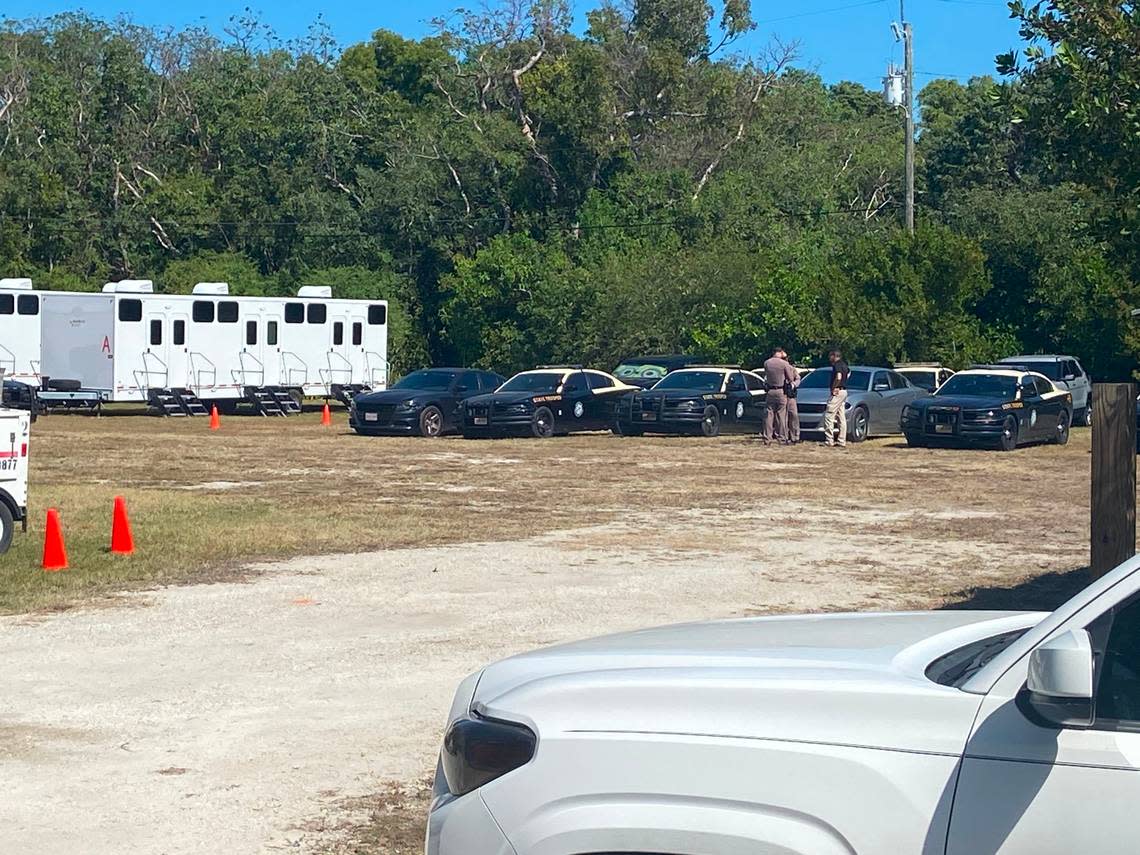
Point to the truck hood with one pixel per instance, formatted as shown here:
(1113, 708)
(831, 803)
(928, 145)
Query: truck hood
(855, 679)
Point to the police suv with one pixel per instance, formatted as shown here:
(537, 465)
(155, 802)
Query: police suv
(14, 435)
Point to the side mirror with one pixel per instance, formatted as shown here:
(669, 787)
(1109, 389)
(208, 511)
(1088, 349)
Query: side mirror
(1068, 378)
(1060, 679)
(881, 387)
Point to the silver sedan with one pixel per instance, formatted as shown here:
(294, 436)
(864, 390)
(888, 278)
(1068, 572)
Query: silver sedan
(875, 399)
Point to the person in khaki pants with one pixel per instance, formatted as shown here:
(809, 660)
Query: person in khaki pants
(837, 403)
(791, 391)
(778, 374)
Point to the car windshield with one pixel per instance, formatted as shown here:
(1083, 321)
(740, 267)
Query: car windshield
(640, 371)
(821, 379)
(534, 381)
(702, 381)
(1051, 368)
(980, 386)
(426, 380)
(926, 379)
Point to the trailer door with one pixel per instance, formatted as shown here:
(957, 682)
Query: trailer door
(340, 350)
(178, 350)
(155, 370)
(263, 341)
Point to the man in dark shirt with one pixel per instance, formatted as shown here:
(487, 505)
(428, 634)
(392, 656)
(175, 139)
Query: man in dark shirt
(837, 404)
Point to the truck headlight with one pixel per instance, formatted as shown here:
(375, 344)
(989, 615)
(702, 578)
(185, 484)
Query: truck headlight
(478, 750)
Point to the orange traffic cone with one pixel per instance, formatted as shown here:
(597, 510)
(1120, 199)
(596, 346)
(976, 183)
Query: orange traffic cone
(326, 415)
(55, 556)
(122, 542)
(215, 420)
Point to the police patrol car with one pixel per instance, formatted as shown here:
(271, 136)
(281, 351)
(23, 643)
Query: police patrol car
(14, 435)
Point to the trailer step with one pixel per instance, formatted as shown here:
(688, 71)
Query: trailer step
(347, 391)
(264, 401)
(189, 402)
(289, 405)
(164, 402)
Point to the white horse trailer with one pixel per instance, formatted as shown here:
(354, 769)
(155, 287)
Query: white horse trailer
(20, 331)
(182, 352)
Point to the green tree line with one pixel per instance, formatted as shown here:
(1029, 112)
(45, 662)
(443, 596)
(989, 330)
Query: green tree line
(524, 192)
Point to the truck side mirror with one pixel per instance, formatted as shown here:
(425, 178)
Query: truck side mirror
(1060, 679)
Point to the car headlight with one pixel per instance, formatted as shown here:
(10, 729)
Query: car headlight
(409, 404)
(478, 750)
(516, 408)
(690, 406)
(909, 412)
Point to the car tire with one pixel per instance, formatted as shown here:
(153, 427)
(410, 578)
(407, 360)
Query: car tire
(860, 421)
(1061, 437)
(1083, 417)
(542, 423)
(914, 440)
(1008, 441)
(7, 527)
(431, 421)
(710, 422)
(620, 428)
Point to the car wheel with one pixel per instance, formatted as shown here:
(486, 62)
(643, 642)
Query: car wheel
(1062, 434)
(1083, 417)
(710, 422)
(860, 424)
(620, 428)
(542, 424)
(7, 526)
(914, 440)
(1008, 440)
(431, 421)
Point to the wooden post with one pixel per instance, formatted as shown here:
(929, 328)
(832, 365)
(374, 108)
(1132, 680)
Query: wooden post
(1113, 476)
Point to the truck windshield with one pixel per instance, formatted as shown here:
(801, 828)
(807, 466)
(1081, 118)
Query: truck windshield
(700, 381)
(1051, 368)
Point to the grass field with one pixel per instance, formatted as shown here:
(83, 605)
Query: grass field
(525, 543)
(203, 504)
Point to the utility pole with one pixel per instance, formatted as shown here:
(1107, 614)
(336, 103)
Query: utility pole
(908, 95)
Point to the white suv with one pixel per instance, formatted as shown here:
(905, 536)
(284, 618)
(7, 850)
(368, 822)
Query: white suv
(935, 733)
(1068, 375)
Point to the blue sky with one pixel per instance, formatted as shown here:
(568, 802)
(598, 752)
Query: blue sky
(841, 39)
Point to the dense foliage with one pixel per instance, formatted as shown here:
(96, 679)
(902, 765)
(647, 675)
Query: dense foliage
(523, 193)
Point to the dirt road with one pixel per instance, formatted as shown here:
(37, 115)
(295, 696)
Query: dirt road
(238, 717)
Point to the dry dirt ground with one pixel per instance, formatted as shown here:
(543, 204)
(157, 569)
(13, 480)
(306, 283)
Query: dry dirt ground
(295, 704)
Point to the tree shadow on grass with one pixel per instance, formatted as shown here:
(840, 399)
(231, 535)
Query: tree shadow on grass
(1041, 593)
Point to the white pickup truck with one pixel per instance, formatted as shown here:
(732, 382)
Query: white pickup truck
(922, 733)
(15, 429)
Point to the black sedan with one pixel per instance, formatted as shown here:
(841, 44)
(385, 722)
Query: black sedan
(424, 403)
(995, 407)
(644, 371)
(545, 402)
(704, 401)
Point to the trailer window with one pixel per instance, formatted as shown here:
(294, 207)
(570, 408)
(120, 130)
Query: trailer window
(7, 304)
(251, 332)
(338, 333)
(227, 312)
(271, 333)
(203, 312)
(130, 310)
(377, 315)
(179, 334)
(156, 332)
(318, 313)
(358, 333)
(294, 313)
(28, 304)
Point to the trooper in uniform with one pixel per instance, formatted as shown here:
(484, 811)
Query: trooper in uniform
(778, 374)
(836, 404)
